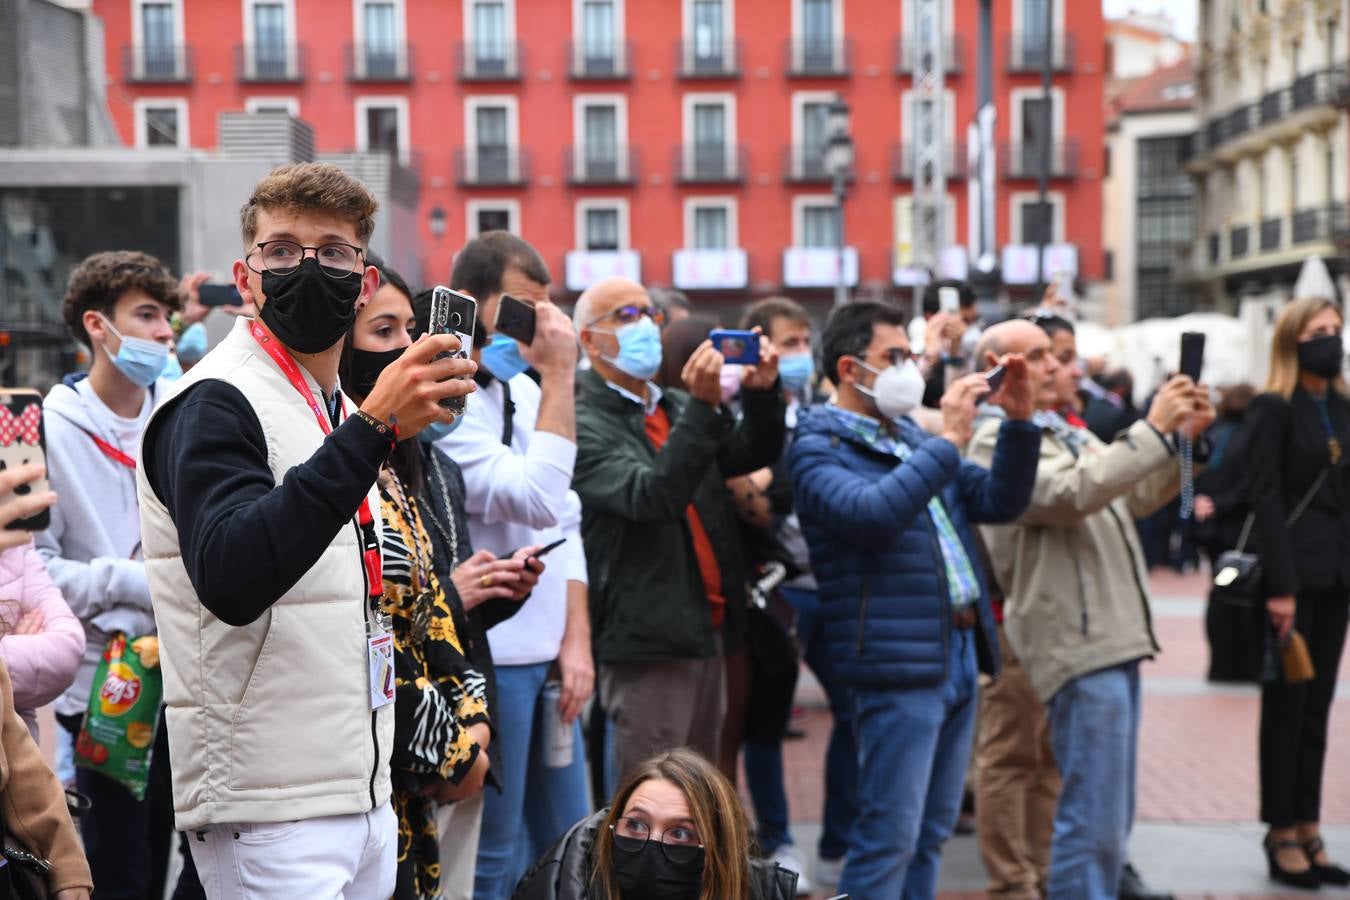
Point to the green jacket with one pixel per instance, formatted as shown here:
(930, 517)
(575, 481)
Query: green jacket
(646, 594)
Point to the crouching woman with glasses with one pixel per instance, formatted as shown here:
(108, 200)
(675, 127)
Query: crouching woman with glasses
(676, 831)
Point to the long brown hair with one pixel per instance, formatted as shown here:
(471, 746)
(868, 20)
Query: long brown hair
(717, 814)
(1284, 370)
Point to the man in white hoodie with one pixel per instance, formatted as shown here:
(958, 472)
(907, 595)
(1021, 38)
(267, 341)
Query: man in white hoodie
(119, 304)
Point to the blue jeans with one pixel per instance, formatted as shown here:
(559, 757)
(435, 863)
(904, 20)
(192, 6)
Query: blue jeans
(764, 763)
(536, 804)
(1094, 729)
(913, 749)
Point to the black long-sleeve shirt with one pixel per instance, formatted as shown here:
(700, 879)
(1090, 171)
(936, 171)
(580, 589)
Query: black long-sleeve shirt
(245, 539)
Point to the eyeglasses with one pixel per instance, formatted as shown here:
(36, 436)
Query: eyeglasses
(627, 315)
(895, 356)
(679, 844)
(284, 257)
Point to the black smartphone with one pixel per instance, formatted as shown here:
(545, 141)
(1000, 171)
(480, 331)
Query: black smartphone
(515, 319)
(550, 548)
(994, 378)
(737, 347)
(454, 313)
(1192, 354)
(23, 441)
(219, 295)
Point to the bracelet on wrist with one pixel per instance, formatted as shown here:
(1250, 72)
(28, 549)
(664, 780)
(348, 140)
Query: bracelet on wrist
(387, 430)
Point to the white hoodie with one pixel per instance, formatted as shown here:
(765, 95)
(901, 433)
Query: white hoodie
(93, 548)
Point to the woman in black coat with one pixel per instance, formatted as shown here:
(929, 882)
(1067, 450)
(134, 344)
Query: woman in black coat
(1298, 431)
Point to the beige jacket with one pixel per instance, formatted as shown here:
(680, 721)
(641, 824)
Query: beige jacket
(1072, 569)
(271, 721)
(34, 805)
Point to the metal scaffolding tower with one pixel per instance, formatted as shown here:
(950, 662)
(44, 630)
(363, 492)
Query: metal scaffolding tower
(928, 115)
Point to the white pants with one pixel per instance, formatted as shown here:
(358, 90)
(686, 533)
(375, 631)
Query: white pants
(458, 826)
(351, 857)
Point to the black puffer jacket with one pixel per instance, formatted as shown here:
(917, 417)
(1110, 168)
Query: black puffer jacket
(564, 872)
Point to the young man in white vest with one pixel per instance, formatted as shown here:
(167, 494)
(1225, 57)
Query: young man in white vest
(258, 498)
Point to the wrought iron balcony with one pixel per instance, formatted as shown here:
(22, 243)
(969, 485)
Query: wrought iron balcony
(1271, 232)
(489, 60)
(491, 166)
(1024, 159)
(379, 62)
(157, 63)
(712, 163)
(270, 63)
(709, 59)
(587, 165)
(1024, 51)
(907, 51)
(1239, 240)
(600, 60)
(811, 57)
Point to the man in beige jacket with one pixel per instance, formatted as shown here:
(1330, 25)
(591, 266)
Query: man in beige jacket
(1077, 609)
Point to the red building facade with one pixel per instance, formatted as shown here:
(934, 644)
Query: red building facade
(636, 131)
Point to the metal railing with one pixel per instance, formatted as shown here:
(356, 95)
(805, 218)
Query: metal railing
(1215, 246)
(904, 161)
(704, 59)
(1023, 159)
(491, 166)
(907, 49)
(600, 61)
(819, 57)
(379, 62)
(600, 165)
(805, 164)
(157, 63)
(268, 63)
(1328, 87)
(1024, 51)
(712, 163)
(1272, 231)
(1239, 240)
(489, 60)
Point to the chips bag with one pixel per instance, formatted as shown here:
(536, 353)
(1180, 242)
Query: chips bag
(119, 726)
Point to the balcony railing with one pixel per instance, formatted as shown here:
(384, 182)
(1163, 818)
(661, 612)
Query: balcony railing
(1023, 159)
(819, 57)
(379, 62)
(710, 163)
(907, 51)
(267, 63)
(1025, 51)
(1274, 106)
(491, 166)
(709, 59)
(157, 63)
(1320, 223)
(1214, 132)
(489, 60)
(1239, 239)
(1240, 121)
(805, 164)
(1271, 232)
(1215, 244)
(600, 165)
(904, 161)
(600, 60)
(1329, 87)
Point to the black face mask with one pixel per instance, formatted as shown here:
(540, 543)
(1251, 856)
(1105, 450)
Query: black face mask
(364, 367)
(307, 310)
(648, 875)
(1322, 355)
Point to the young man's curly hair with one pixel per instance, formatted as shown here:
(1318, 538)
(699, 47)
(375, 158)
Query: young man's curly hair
(314, 188)
(100, 280)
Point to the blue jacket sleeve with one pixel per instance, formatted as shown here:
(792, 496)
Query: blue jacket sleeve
(864, 509)
(1002, 492)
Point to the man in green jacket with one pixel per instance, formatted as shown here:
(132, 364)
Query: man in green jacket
(667, 577)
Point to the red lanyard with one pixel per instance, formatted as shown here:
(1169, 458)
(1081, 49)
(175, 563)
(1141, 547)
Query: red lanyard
(371, 552)
(111, 452)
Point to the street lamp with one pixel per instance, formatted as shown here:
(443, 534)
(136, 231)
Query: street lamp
(436, 222)
(838, 163)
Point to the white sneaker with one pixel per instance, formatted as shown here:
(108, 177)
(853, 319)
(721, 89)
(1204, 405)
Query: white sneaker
(828, 871)
(790, 858)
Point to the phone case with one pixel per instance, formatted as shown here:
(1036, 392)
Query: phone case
(454, 313)
(515, 319)
(736, 347)
(23, 441)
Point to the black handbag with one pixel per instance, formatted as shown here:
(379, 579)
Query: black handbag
(1237, 573)
(24, 875)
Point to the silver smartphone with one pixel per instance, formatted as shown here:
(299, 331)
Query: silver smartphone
(454, 313)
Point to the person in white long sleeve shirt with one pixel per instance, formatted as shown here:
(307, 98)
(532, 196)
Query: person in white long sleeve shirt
(516, 446)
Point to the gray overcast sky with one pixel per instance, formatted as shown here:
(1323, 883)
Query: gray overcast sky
(1183, 12)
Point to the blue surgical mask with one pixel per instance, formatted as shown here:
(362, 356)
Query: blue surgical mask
(192, 342)
(796, 370)
(173, 369)
(434, 431)
(140, 360)
(639, 349)
(502, 357)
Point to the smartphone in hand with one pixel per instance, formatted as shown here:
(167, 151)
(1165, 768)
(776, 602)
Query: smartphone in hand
(23, 441)
(994, 378)
(219, 295)
(1192, 355)
(454, 313)
(737, 347)
(515, 319)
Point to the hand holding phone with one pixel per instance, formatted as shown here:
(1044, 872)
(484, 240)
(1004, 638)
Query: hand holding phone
(454, 313)
(1192, 355)
(219, 295)
(515, 319)
(737, 347)
(994, 377)
(25, 496)
(949, 300)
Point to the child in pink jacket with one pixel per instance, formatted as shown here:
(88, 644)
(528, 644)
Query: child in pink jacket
(43, 642)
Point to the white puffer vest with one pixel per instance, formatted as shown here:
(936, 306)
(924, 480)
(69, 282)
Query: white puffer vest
(271, 721)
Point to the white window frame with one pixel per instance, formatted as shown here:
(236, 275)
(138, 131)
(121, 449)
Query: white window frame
(903, 205)
(1059, 27)
(727, 100)
(799, 204)
(292, 104)
(471, 106)
(837, 51)
(1018, 199)
(580, 102)
(138, 36)
(799, 101)
(400, 104)
(728, 204)
(512, 56)
(292, 48)
(359, 33)
(687, 29)
(620, 35)
(179, 104)
(597, 203)
(1057, 141)
(473, 207)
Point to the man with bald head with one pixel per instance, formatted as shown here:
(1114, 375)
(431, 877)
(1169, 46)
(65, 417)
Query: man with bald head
(1076, 612)
(667, 576)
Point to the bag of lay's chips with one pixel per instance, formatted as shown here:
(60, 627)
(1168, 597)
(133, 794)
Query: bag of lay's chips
(119, 726)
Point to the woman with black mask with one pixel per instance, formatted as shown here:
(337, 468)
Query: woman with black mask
(1295, 459)
(676, 831)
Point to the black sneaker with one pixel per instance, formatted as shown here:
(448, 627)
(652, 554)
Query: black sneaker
(1132, 887)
